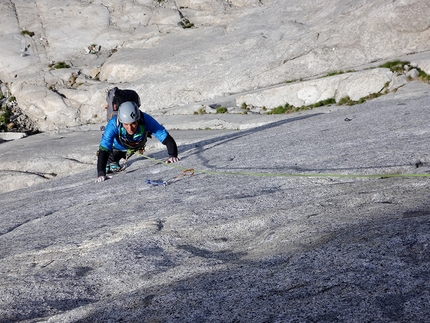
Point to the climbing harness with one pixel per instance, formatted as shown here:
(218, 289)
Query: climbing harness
(131, 152)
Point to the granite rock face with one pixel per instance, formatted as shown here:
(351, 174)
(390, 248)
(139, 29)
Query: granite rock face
(296, 220)
(180, 54)
(316, 216)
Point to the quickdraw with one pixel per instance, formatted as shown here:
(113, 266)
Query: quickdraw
(189, 171)
(155, 183)
(184, 173)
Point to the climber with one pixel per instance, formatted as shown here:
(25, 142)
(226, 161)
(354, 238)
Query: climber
(125, 134)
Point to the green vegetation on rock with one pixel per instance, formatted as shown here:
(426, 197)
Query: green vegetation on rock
(4, 118)
(287, 108)
(221, 110)
(395, 66)
(59, 65)
(26, 32)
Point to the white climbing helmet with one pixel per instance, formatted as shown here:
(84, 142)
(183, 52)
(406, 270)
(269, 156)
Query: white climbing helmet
(128, 112)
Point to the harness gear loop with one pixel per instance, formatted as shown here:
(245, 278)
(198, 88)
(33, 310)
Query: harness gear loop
(131, 152)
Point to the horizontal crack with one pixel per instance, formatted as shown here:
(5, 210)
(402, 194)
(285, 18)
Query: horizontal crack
(77, 161)
(43, 175)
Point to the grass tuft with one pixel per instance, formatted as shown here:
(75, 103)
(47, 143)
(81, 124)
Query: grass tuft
(395, 66)
(221, 110)
(26, 32)
(287, 108)
(59, 65)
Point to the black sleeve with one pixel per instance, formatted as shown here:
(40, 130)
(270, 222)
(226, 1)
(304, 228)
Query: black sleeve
(172, 149)
(102, 159)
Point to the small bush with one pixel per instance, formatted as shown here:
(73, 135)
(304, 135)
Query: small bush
(59, 65)
(185, 23)
(200, 111)
(346, 101)
(287, 108)
(26, 32)
(370, 97)
(245, 107)
(423, 76)
(4, 118)
(221, 110)
(282, 109)
(395, 66)
(323, 103)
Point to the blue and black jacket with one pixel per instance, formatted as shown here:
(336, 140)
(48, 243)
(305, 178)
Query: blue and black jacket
(115, 137)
